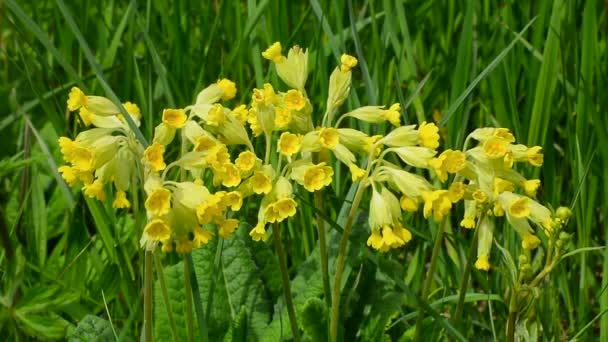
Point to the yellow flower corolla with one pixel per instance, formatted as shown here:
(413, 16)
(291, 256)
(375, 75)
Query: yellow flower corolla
(294, 100)
(95, 190)
(228, 89)
(501, 185)
(121, 201)
(289, 144)
(183, 246)
(240, 113)
(449, 161)
(390, 239)
(530, 241)
(265, 96)
(436, 203)
(86, 116)
(209, 210)
(158, 230)
(470, 212)
(356, 172)
(313, 177)
(246, 160)
(468, 222)
(258, 233)
(347, 62)
(233, 199)
(69, 174)
(204, 143)
(227, 226)
(254, 124)
(153, 155)
(283, 117)
(375, 239)
(230, 175)
(531, 187)
(534, 156)
(480, 196)
(132, 109)
(76, 99)
(428, 134)
(483, 263)
(218, 157)
(174, 118)
(158, 202)
(201, 237)
(393, 115)
(273, 53)
(81, 157)
(329, 137)
(216, 116)
(495, 147)
(280, 210)
(456, 191)
(408, 204)
(260, 183)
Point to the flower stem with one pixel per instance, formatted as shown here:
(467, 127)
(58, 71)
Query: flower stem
(276, 233)
(323, 249)
(512, 314)
(429, 275)
(196, 296)
(189, 314)
(148, 296)
(467, 273)
(335, 306)
(163, 289)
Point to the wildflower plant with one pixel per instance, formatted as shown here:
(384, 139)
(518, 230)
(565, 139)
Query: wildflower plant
(202, 168)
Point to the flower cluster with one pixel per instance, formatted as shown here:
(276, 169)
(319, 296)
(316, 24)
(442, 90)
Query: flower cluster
(217, 167)
(105, 154)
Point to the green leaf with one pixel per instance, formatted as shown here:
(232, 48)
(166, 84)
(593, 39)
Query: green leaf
(43, 326)
(238, 328)
(92, 328)
(314, 318)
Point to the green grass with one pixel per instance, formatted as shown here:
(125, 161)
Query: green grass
(462, 64)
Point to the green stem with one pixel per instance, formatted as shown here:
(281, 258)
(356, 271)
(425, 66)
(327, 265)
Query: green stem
(196, 295)
(216, 267)
(429, 276)
(467, 273)
(335, 306)
(323, 248)
(512, 315)
(276, 233)
(163, 289)
(148, 296)
(268, 146)
(189, 314)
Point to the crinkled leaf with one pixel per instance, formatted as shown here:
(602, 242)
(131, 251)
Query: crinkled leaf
(314, 318)
(92, 328)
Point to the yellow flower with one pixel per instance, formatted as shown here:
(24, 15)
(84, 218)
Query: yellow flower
(531, 187)
(534, 156)
(390, 239)
(230, 176)
(76, 99)
(121, 201)
(254, 123)
(86, 116)
(95, 190)
(356, 172)
(293, 70)
(204, 143)
(347, 62)
(261, 183)
(283, 117)
(284, 208)
(480, 196)
(375, 239)
(329, 137)
(404, 234)
(294, 100)
(483, 263)
(408, 204)
(215, 116)
(495, 147)
(183, 246)
(158, 230)
(448, 162)
(81, 157)
(226, 227)
(530, 241)
(519, 207)
(240, 113)
(218, 157)
(501, 185)
(313, 177)
(437, 203)
(289, 143)
(158, 202)
(468, 222)
(233, 199)
(207, 211)
(258, 232)
(201, 237)
(69, 174)
(393, 114)
(132, 109)
(153, 155)
(456, 191)
(245, 161)
(273, 53)
(174, 118)
(428, 134)
(228, 89)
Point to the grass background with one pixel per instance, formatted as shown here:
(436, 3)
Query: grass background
(549, 88)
